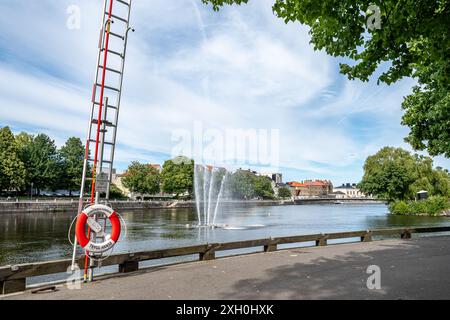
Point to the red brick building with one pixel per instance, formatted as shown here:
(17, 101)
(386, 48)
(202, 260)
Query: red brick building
(310, 188)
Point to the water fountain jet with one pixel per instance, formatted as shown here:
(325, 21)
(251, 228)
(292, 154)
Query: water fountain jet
(209, 186)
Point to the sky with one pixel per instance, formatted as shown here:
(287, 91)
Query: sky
(187, 66)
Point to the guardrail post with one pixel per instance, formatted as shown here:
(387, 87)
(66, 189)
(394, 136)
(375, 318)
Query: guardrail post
(129, 266)
(406, 234)
(367, 237)
(12, 286)
(270, 247)
(322, 241)
(209, 254)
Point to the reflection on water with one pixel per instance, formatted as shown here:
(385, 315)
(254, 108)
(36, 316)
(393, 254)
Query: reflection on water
(31, 237)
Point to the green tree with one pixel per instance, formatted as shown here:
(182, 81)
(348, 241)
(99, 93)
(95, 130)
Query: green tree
(414, 37)
(142, 178)
(219, 175)
(440, 181)
(178, 176)
(242, 184)
(115, 192)
(435, 181)
(72, 158)
(389, 174)
(396, 174)
(43, 163)
(245, 184)
(12, 169)
(263, 187)
(284, 192)
(23, 141)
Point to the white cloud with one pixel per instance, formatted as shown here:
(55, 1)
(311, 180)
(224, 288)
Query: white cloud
(240, 68)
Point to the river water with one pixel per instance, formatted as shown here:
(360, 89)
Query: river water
(31, 237)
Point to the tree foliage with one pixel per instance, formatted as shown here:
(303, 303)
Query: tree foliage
(178, 176)
(246, 185)
(43, 163)
(284, 192)
(28, 159)
(115, 192)
(241, 185)
(142, 178)
(414, 38)
(12, 169)
(396, 174)
(263, 187)
(72, 158)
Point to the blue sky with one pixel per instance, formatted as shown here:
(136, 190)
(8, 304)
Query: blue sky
(239, 68)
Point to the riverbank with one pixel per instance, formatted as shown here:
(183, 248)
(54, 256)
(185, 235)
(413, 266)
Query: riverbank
(445, 214)
(72, 205)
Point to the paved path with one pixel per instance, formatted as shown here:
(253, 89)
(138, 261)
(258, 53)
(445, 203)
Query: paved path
(410, 269)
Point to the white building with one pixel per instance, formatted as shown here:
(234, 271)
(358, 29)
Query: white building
(349, 191)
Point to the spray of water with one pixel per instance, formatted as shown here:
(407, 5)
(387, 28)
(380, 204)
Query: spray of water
(197, 196)
(219, 197)
(209, 185)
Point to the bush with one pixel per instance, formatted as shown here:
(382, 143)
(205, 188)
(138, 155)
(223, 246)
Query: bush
(116, 193)
(399, 208)
(433, 206)
(436, 205)
(419, 207)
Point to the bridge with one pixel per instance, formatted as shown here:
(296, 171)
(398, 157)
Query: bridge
(327, 200)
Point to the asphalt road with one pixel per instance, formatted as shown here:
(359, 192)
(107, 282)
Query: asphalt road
(409, 269)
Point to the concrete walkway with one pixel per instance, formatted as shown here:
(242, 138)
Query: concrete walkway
(410, 269)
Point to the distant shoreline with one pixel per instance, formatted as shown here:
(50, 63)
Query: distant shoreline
(72, 206)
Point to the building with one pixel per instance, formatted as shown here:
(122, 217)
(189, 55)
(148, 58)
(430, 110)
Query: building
(319, 187)
(276, 180)
(338, 195)
(310, 188)
(350, 191)
(117, 180)
(155, 166)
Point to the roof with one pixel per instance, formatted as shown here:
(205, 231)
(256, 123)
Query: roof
(337, 192)
(310, 183)
(346, 187)
(316, 183)
(296, 184)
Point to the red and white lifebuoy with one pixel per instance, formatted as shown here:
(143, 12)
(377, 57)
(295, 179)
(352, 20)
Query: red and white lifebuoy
(86, 217)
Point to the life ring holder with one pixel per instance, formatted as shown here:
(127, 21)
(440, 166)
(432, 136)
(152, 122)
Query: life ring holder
(84, 218)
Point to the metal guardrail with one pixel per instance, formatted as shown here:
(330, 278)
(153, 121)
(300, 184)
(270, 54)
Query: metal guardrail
(13, 278)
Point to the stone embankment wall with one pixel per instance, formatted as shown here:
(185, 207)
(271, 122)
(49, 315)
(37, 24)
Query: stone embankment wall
(72, 206)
